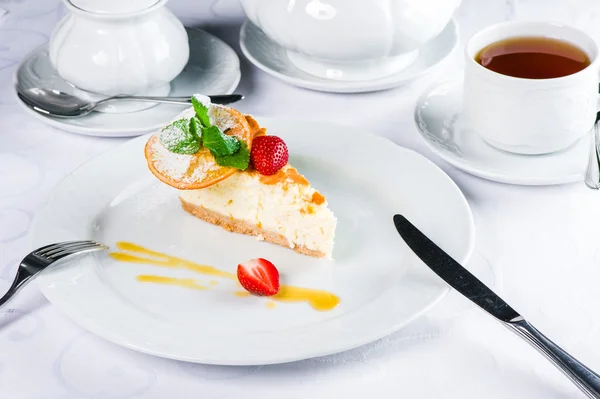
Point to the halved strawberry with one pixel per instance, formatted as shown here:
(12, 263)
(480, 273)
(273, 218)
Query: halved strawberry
(259, 277)
(268, 154)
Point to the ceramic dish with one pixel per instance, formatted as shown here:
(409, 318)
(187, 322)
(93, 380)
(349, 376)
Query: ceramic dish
(442, 127)
(273, 59)
(352, 40)
(213, 68)
(380, 283)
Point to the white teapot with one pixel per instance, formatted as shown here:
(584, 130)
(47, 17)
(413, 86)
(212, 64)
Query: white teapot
(351, 39)
(114, 47)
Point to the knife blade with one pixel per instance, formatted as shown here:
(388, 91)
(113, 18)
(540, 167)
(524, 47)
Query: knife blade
(468, 285)
(452, 272)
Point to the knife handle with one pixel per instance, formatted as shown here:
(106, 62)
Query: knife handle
(584, 378)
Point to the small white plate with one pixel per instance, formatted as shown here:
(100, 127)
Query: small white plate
(381, 284)
(442, 127)
(272, 58)
(213, 68)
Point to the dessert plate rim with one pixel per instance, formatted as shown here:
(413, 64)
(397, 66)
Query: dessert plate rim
(417, 279)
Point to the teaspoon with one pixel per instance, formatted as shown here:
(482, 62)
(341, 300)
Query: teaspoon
(56, 103)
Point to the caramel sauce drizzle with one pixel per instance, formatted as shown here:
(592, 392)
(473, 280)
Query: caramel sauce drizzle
(133, 253)
(181, 282)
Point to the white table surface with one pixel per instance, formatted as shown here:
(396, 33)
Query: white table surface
(537, 246)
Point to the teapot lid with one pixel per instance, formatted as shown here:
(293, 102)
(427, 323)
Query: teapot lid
(113, 7)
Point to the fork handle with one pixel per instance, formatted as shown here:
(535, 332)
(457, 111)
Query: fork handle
(584, 378)
(22, 277)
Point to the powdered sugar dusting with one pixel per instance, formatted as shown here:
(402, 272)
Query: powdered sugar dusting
(221, 117)
(204, 100)
(171, 164)
(201, 170)
(171, 135)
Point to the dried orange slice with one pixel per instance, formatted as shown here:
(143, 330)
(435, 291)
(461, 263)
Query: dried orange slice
(200, 170)
(255, 127)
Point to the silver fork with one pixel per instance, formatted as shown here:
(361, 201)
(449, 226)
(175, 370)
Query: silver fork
(43, 257)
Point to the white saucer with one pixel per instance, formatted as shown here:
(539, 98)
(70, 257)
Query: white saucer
(438, 117)
(213, 68)
(273, 59)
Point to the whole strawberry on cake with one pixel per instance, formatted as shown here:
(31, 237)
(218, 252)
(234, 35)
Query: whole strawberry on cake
(231, 173)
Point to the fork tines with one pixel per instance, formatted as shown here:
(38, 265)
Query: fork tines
(61, 249)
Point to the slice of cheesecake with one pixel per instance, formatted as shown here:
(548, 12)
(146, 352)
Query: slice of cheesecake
(281, 208)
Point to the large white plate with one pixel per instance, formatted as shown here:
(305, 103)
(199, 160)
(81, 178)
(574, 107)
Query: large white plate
(381, 284)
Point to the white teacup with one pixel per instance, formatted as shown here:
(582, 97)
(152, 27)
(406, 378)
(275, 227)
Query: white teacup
(530, 116)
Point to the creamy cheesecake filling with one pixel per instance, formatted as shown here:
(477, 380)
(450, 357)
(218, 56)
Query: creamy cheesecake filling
(289, 209)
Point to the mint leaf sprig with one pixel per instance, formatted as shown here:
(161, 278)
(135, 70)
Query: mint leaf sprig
(227, 150)
(219, 143)
(201, 112)
(239, 159)
(180, 137)
(189, 136)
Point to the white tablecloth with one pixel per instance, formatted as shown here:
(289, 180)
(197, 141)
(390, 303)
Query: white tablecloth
(537, 246)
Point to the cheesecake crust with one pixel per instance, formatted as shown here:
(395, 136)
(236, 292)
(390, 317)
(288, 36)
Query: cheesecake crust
(243, 227)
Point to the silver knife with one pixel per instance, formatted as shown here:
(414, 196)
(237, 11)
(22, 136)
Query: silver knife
(468, 285)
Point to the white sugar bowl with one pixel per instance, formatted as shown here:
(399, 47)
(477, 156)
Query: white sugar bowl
(351, 39)
(112, 47)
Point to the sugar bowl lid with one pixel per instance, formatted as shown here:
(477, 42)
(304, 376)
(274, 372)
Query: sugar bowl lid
(113, 7)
